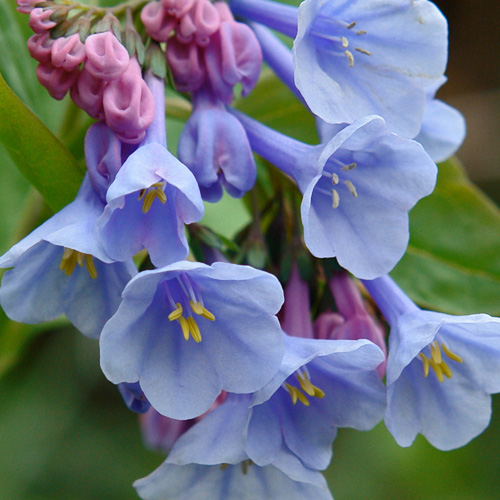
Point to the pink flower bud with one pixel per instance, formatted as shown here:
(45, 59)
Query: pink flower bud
(157, 21)
(206, 19)
(233, 56)
(40, 46)
(87, 93)
(40, 20)
(326, 325)
(68, 53)
(56, 80)
(129, 105)
(26, 6)
(296, 312)
(186, 64)
(359, 323)
(177, 8)
(107, 58)
(200, 23)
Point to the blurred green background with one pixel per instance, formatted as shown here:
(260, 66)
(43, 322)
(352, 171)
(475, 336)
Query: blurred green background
(64, 431)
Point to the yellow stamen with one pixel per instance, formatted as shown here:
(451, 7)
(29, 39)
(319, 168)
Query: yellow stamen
(194, 329)
(309, 388)
(150, 194)
(451, 355)
(436, 353)
(68, 261)
(185, 327)
(244, 466)
(363, 51)
(446, 369)
(176, 313)
(72, 257)
(89, 261)
(296, 395)
(425, 361)
(80, 258)
(350, 58)
(436, 361)
(201, 311)
(437, 370)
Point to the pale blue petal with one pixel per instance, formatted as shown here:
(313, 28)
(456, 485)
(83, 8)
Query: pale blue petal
(367, 232)
(408, 46)
(201, 482)
(448, 414)
(219, 437)
(239, 352)
(126, 230)
(443, 130)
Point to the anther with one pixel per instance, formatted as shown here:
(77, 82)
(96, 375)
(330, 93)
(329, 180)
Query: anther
(149, 195)
(72, 257)
(363, 51)
(351, 188)
(345, 42)
(361, 32)
(176, 314)
(436, 361)
(451, 355)
(194, 329)
(350, 58)
(184, 327)
(244, 466)
(296, 395)
(308, 387)
(201, 311)
(351, 166)
(350, 26)
(335, 198)
(89, 262)
(436, 352)
(425, 361)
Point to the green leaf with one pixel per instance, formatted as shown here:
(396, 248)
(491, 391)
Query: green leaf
(453, 259)
(37, 153)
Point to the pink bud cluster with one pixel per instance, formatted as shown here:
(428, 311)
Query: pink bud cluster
(102, 78)
(205, 45)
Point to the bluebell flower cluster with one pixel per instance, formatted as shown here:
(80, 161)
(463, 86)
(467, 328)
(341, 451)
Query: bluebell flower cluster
(242, 384)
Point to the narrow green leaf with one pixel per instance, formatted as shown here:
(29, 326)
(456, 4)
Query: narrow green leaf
(37, 153)
(453, 260)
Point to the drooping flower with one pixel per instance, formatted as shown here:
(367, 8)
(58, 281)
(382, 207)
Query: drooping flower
(208, 461)
(441, 370)
(151, 197)
(357, 58)
(321, 385)
(357, 189)
(188, 331)
(214, 146)
(62, 268)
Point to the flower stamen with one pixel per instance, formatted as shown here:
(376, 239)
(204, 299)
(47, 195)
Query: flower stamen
(72, 257)
(156, 190)
(436, 361)
(311, 390)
